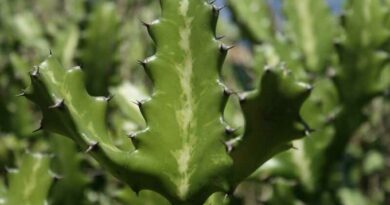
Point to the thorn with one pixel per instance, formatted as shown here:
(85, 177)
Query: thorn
(60, 105)
(39, 128)
(50, 52)
(212, 2)
(219, 37)
(230, 131)
(142, 62)
(139, 103)
(215, 11)
(10, 170)
(147, 25)
(35, 73)
(308, 132)
(220, 8)
(230, 192)
(22, 93)
(293, 147)
(55, 176)
(92, 147)
(132, 135)
(309, 88)
(141, 107)
(134, 139)
(227, 91)
(330, 118)
(242, 98)
(229, 146)
(135, 136)
(306, 127)
(224, 48)
(109, 98)
(267, 69)
(77, 67)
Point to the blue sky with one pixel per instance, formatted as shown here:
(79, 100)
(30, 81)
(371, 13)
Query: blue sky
(335, 5)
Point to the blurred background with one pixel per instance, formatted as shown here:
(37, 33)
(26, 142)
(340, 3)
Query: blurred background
(341, 47)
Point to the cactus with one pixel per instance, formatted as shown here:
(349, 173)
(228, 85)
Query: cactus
(30, 183)
(254, 19)
(185, 153)
(19, 118)
(347, 67)
(312, 39)
(348, 64)
(127, 196)
(128, 118)
(98, 53)
(358, 74)
(66, 163)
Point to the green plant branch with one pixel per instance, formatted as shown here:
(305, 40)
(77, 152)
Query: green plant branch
(181, 153)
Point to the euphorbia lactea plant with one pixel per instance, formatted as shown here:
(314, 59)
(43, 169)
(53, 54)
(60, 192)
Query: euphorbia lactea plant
(185, 153)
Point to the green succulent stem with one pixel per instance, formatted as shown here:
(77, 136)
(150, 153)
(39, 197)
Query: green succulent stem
(30, 183)
(276, 103)
(182, 153)
(345, 124)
